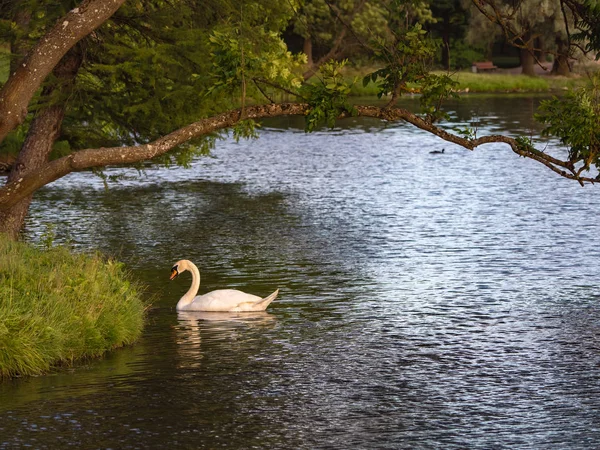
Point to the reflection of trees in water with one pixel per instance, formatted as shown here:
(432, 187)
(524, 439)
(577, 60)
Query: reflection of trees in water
(255, 242)
(512, 113)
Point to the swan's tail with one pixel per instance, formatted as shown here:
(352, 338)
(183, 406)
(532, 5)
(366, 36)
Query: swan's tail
(262, 305)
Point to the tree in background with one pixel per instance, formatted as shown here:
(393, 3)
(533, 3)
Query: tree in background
(110, 82)
(558, 27)
(336, 29)
(451, 22)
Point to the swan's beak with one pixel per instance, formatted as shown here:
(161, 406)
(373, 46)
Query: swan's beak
(174, 273)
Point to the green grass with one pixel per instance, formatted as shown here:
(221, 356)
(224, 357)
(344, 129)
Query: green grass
(491, 82)
(478, 82)
(57, 307)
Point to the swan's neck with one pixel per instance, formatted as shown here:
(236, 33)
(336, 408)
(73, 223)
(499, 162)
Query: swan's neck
(193, 290)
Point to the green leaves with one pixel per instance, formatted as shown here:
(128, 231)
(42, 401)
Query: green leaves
(587, 25)
(525, 143)
(239, 58)
(434, 90)
(466, 132)
(406, 66)
(574, 120)
(245, 129)
(327, 97)
(406, 69)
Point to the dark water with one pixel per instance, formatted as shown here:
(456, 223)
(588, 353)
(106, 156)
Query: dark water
(426, 301)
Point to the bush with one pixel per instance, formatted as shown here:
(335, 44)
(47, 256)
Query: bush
(57, 307)
(462, 56)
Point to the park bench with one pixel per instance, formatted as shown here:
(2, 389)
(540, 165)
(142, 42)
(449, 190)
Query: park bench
(483, 66)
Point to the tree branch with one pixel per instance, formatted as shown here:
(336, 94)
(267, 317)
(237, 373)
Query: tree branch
(13, 191)
(22, 84)
(517, 39)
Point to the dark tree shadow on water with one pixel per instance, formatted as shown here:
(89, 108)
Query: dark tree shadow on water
(239, 239)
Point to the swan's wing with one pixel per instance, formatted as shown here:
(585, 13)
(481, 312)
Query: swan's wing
(222, 300)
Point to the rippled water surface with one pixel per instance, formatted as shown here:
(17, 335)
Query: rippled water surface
(427, 301)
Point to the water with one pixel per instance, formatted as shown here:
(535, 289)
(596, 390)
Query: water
(427, 301)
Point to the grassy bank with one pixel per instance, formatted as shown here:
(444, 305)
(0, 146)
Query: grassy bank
(57, 307)
(480, 82)
(496, 82)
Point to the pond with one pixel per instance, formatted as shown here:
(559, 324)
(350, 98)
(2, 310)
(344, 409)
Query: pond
(426, 300)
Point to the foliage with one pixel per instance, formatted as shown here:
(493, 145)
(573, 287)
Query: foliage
(406, 69)
(327, 97)
(525, 143)
(370, 20)
(57, 307)
(405, 61)
(466, 132)
(147, 70)
(574, 120)
(245, 129)
(434, 90)
(313, 19)
(323, 22)
(12, 143)
(587, 24)
(462, 55)
(450, 26)
(237, 60)
(185, 154)
(517, 21)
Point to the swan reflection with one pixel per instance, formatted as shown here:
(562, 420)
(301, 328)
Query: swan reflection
(248, 318)
(223, 330)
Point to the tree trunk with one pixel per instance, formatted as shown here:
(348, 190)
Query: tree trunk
(526, 55)
(43, 132)
(331, 54)
(307, 49)
(446, 41)
(560, 66)
(527, 62)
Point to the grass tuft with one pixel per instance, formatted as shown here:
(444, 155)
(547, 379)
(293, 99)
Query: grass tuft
(57, 307)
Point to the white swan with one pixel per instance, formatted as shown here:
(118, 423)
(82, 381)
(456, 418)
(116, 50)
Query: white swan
(219, 300)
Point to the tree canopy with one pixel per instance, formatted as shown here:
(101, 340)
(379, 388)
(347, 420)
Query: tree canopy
(110, 82)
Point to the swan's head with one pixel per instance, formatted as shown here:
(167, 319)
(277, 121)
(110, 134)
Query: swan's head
(178, 268)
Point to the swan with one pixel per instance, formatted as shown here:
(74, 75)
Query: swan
(223, 300)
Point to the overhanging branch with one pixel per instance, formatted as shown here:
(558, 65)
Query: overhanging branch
(14, 191)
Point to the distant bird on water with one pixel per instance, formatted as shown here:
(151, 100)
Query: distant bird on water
(437, 152)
